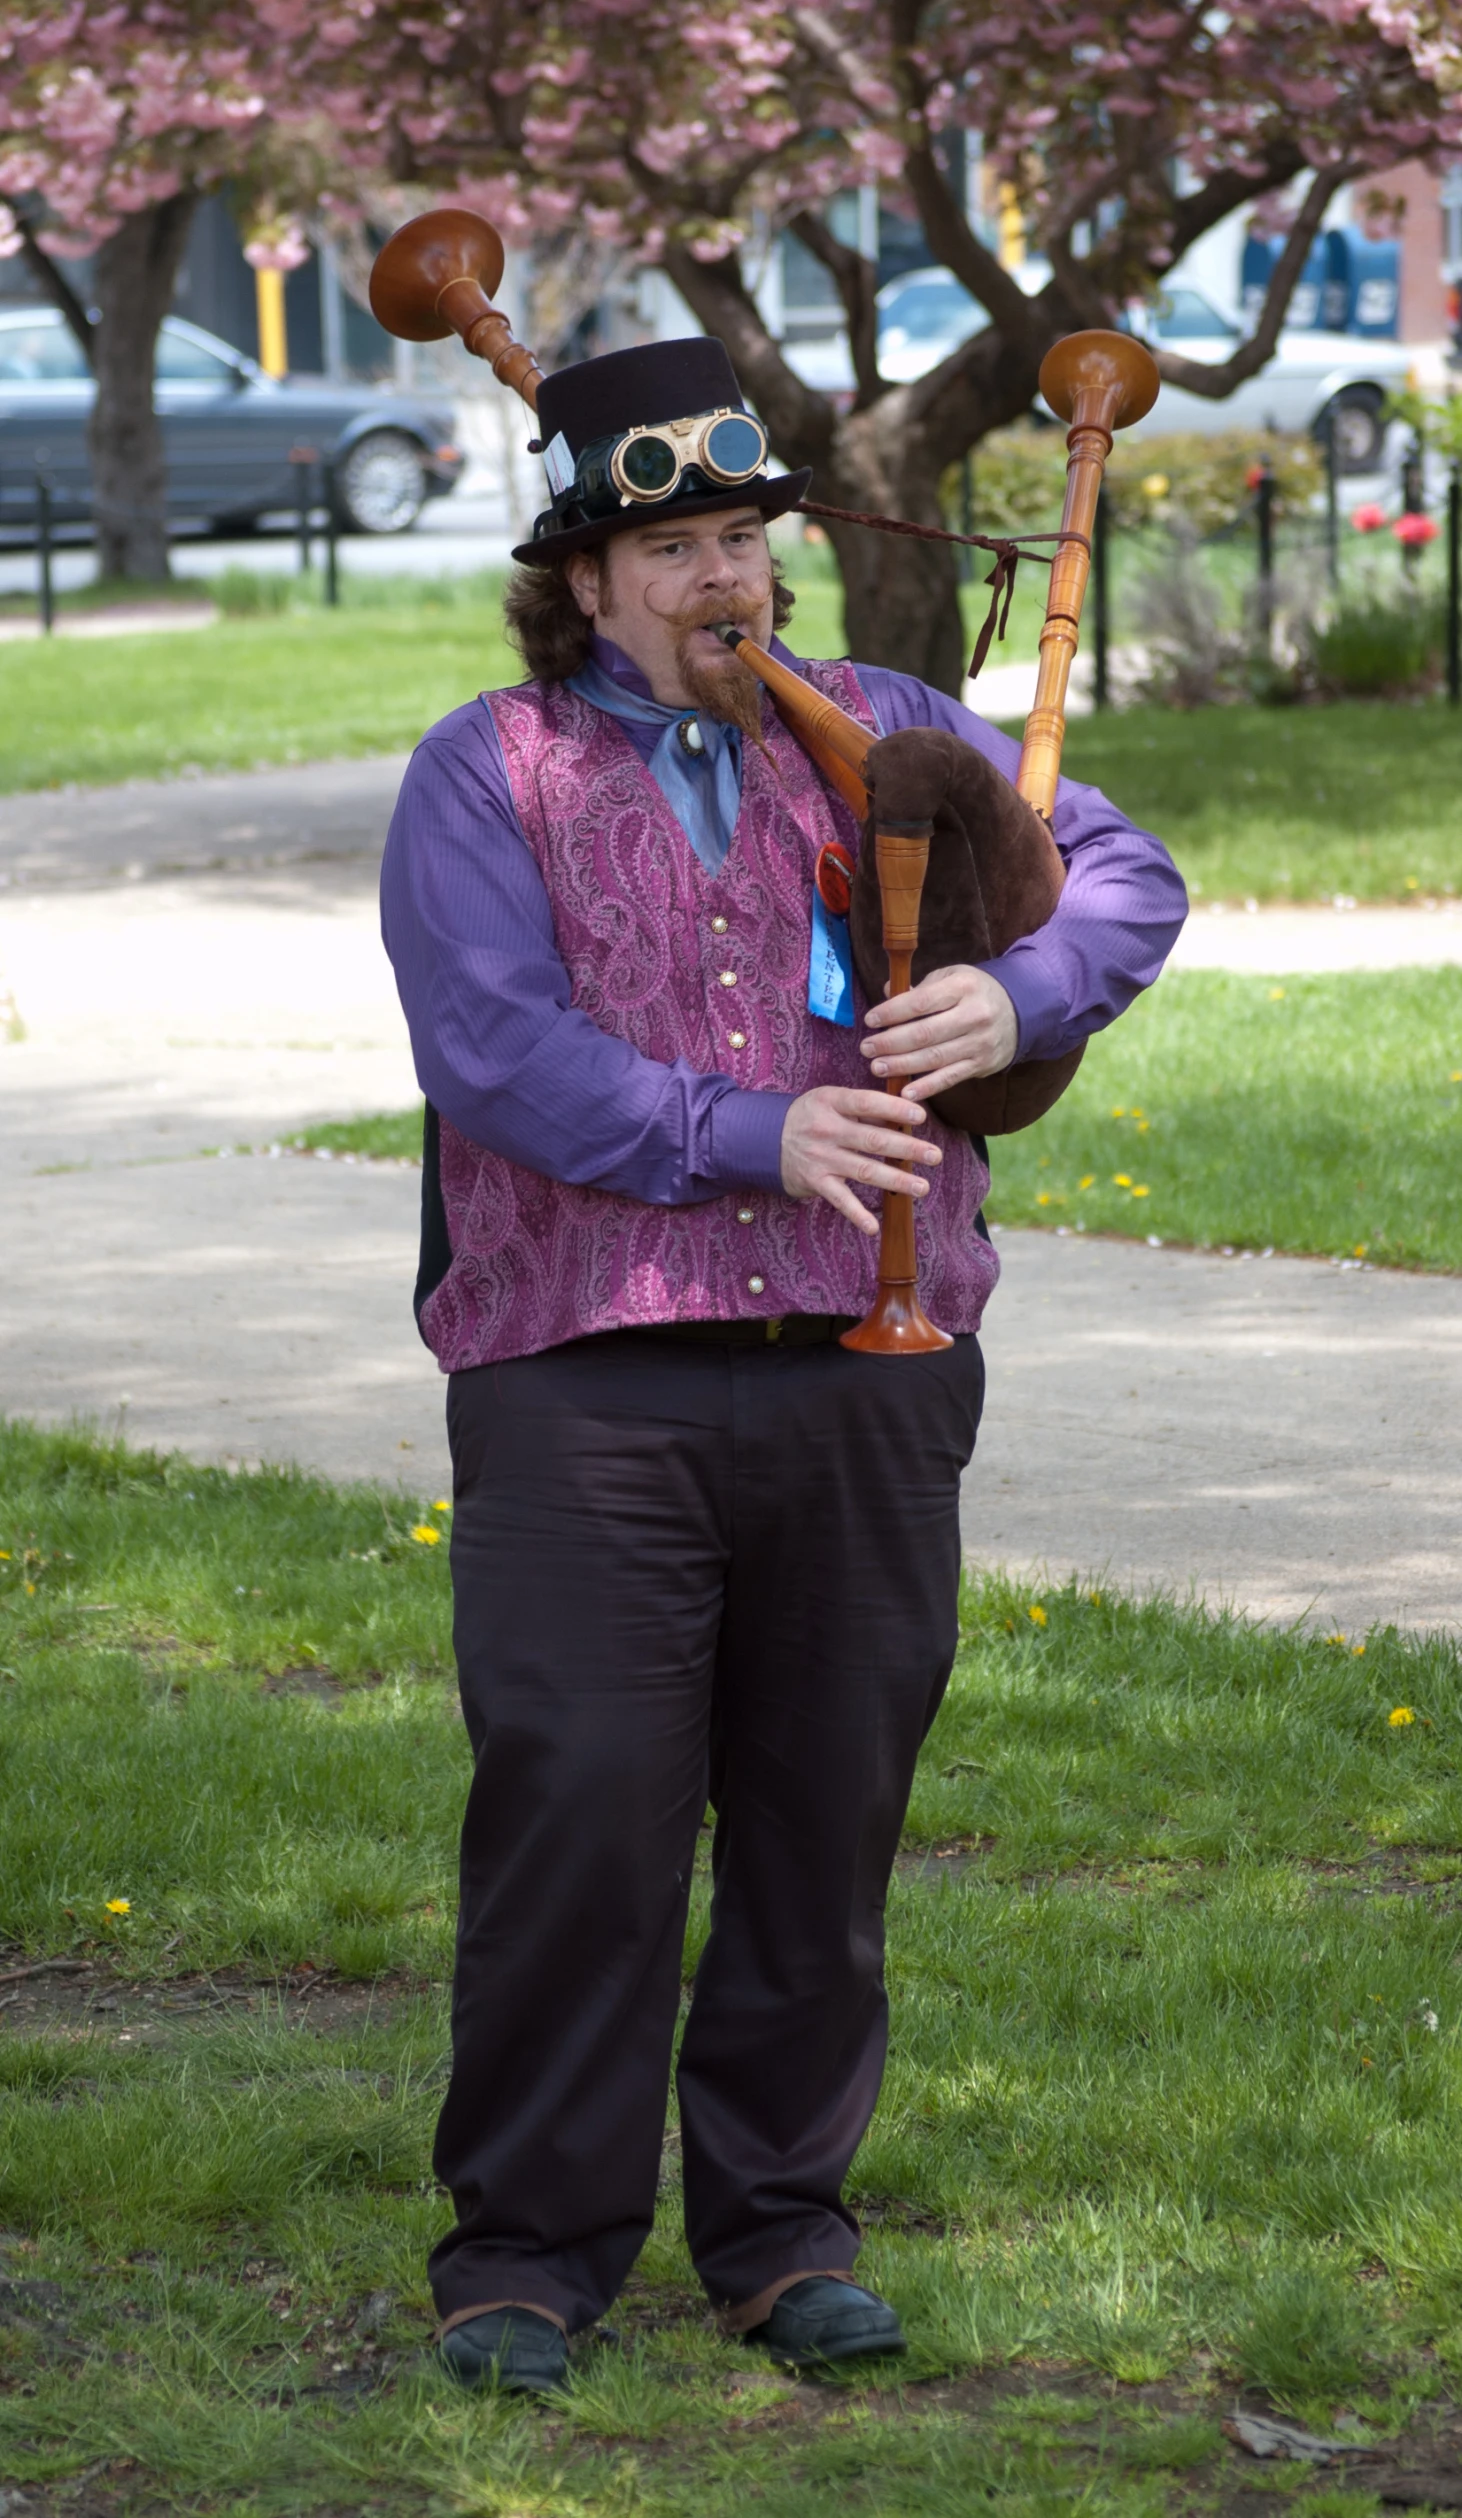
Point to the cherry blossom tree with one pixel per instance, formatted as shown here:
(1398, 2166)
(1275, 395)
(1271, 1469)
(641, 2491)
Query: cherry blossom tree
(691, 134)
(114, 119)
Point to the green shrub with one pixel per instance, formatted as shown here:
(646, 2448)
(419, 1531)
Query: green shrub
(1205, 481)
(1197, 481)
(1373, 643)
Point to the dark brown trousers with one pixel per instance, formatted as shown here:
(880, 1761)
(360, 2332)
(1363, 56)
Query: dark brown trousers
(684, 1573)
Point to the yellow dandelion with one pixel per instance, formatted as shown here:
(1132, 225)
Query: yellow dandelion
(425, 1536)
(119, 1906)
(1399, 1716)
(30, 1590)
(1142, 1126)
(1087, 1180)
(442, 1505)
(1043, 1197)
(1360, 1250)
(5, 1553)
(1095, 1598)
(1357, 1650)
(1336, 1638)
(1411, 883)
(1122, 1180)
(1274, 995)
(1036, 1614)
(1119, 1110)
(1457, 1075)
(1142, 1190)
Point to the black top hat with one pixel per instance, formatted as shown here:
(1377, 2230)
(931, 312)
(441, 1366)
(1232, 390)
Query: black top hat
(586, 412)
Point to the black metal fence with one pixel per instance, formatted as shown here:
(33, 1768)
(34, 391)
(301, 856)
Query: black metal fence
(1260, 520)
(316, 505)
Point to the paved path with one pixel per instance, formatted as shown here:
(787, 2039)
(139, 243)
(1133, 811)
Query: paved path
(197, 964)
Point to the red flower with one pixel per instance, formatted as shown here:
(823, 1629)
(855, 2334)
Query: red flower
(1368, 519)
(1414, 530)
(1253, 476)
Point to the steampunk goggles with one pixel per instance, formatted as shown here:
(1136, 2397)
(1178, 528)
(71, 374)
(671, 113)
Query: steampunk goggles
(642, 466)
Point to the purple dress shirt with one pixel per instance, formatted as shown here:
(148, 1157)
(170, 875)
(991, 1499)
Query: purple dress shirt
(502, 1053)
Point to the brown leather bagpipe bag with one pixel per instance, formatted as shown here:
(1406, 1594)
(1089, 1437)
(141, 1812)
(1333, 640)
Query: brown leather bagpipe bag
(995, 874)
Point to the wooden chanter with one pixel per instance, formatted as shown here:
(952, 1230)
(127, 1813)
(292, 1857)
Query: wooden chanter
(436, 275)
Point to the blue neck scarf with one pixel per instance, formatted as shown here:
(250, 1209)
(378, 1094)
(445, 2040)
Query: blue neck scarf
(703, 789)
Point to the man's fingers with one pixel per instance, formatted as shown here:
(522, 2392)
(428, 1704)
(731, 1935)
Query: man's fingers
(934, 995)
(870, 1175)
(838, 1195)
(943, 1078)
(879, 1110)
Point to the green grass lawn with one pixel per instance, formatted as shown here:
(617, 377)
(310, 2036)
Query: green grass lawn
(1174, 2103)
(1321, 1115)
(1273, 804)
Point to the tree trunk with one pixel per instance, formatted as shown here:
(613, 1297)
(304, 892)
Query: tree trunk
(134, 275)
(900, 596)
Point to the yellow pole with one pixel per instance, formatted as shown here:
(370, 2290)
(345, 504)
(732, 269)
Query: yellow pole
(273, 344)
(1012, 228)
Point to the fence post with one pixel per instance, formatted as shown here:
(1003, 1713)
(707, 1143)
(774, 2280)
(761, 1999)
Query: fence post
(304, 459)
(1455, 585)
(1413, 498)
(332, 531)
(1332, 504)
(43, 550)
(967, 517)
(1264, 513)
(1099, 593)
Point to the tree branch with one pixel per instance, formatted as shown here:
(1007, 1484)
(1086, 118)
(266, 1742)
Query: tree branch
(1198, 211)
(1214, 383)
(800, 422)
(53, 280)
(954, 243)
(857, 280)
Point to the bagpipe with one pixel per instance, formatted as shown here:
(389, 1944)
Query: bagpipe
(962, 862)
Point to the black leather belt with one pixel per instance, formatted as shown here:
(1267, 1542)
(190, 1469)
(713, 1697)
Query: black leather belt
(794, 1328)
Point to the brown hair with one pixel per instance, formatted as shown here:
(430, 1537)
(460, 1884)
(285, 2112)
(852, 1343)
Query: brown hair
(552, 635)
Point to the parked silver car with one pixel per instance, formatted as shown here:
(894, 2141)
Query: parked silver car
(228, 428)
(1312, 380)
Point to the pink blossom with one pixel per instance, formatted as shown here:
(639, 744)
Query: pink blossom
(1414, 530)
(1368, 519)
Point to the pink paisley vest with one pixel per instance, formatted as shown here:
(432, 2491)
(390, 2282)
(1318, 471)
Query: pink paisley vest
(537, 1261)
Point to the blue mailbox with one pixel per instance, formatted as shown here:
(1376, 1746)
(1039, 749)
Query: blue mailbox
(1307, 307)
(1362, 283)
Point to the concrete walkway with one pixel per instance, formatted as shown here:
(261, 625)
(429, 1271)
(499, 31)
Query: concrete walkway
(197, 964)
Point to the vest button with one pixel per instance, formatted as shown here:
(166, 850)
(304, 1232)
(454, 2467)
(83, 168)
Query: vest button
(728, 979)
(756, 1285)
(737, 1039)
(718, 926)
(745, 1215)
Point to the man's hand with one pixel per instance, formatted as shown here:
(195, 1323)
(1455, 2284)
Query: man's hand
(835, 1134)
(957, 1023)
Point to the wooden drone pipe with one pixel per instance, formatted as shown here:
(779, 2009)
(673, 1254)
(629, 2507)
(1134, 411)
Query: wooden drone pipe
(435, 276)
(1099, 381)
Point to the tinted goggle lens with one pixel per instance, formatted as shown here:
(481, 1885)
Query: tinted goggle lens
(733, 449)
(649, 465)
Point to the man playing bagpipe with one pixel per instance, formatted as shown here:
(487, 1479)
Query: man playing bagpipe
(702, 1552)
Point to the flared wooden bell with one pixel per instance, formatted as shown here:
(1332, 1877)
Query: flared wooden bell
(436, 276)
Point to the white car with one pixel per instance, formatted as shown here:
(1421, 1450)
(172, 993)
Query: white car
(1312, 379)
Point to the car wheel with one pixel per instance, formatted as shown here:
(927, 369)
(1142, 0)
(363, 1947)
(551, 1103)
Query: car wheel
(1360, 432)
(382, 483)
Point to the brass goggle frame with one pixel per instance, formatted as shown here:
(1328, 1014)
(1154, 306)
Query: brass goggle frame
(689, 443)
